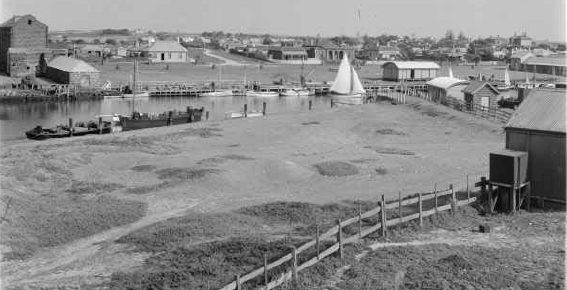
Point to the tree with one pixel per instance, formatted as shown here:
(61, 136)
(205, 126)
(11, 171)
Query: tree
(79, 41)
(450, 35)
(110, 41)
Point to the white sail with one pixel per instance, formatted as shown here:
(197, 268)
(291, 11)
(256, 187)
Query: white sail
(507, 78)
(342, 82)
(346, 81)
(451, 72)
(357, 87)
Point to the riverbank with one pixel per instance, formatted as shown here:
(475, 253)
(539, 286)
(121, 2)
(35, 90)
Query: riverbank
(55, 187)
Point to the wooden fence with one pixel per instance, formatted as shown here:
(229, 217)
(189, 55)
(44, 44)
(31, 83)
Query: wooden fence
(364, 230)
(476, 110)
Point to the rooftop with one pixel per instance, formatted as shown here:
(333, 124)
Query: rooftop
(554, 61)
(166, 46)
(68, 64)
(474, 86)
(414, 64)
(446, 82)
(542, 110)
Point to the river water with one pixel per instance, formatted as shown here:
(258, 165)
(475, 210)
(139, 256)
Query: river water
(15, 119)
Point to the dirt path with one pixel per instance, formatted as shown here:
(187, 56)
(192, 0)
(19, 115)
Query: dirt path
(54, 264)
(226, 60)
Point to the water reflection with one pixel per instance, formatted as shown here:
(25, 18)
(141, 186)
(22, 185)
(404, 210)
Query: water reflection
(15, 119)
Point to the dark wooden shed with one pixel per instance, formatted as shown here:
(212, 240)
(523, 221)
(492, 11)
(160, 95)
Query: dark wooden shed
(483, 95)
(538, 127)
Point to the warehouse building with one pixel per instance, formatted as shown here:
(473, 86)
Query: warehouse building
(65, 70)
(538, 127)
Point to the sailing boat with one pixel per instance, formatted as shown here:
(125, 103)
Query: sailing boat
(507, 84)
(218, 93)
(132, 94)
(347, 85)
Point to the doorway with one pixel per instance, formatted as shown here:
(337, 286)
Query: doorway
(163, 56)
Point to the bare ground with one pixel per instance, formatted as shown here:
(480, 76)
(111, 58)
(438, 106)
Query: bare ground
(202, 171)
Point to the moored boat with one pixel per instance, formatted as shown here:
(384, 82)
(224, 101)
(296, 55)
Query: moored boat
(140, 120)
(294, 93)
(40, 133)
(265, 94)
(225, 93)
(347, 84)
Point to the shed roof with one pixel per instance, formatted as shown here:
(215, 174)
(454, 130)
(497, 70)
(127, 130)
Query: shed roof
(414, 64)
(542, 110)
(552, 61)
(446, 82)
(166, 46)
(68, 64)
(475, 86)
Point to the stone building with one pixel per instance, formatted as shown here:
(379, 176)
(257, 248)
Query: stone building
(23, 43)
(66, 70)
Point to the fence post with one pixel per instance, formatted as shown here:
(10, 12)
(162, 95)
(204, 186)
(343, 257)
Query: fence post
(420, 210)
(453, 200)
(400, 205)
(264, 109)
(71, 126)
(383, 215)
(435, 193)
(206, 115)
(340, 240)
(100, 125)
(483, 188)
(468, 189)
(331, 103)
(245, 110)
(359, 220)
(294, 277)
(310, 104)
(317, 241)
(238, 284)
(266, 270)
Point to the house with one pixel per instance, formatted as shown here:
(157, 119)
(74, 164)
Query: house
(92, 50)
(441, 88)
(66, 70)
(481, 94)
(389, 52)
(23, 43)
(538, 127)
(165, 51)
(330, 53)
(518, 58)
(409, 70)
(521, 41)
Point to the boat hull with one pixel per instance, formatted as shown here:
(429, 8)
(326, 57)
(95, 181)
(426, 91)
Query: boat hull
(262, 94)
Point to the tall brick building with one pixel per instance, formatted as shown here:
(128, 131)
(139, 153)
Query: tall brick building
(23, 46)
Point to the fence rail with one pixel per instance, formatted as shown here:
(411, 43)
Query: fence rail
(363, 231)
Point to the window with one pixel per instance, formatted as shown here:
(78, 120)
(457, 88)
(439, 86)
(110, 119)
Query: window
(29, 21)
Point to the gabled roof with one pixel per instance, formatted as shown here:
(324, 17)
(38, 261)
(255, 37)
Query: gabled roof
(553, 61)
(446, 82)
(475, 86)
(542, 110)
(15, 19)
(68, 64)
(414, 64)
(172, 46)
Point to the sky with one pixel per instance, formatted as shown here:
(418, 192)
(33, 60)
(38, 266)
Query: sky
(540, 19)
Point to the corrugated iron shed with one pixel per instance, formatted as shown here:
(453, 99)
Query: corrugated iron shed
(543, 110)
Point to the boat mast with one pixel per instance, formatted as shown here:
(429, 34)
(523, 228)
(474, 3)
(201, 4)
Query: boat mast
(134, 85)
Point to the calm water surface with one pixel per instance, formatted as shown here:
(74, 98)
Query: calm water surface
(15, 119)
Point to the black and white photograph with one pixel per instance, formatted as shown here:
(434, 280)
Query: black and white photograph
(288, 145)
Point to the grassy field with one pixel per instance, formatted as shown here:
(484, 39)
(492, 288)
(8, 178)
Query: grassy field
(153, 189)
